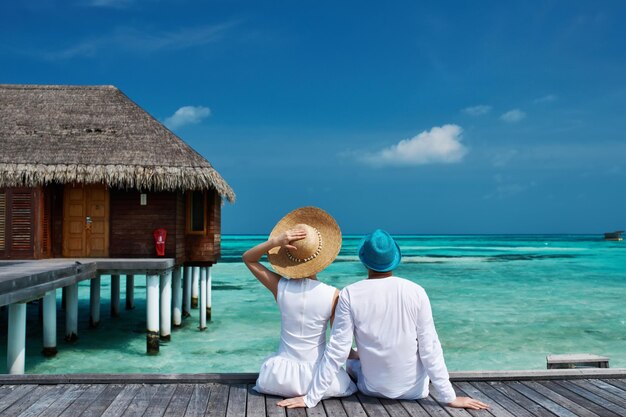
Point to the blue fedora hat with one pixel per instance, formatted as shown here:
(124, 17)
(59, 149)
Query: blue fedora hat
(379, 252)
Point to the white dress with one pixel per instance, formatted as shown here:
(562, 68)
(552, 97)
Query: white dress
(305, 307)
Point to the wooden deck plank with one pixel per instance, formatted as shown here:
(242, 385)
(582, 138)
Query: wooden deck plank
(434, 408)
(6, 389)
(199, 400)
(414, 408)
(589, 405)
(83, 401)
(317, 411)
(68, 398)
(16, 393)
(461, 412)
(560, 399)
(102, 401)
(295, 412)
(620, 383)
(372, 406)
(255, 405)
(353, 406)
(28, 400)
(218, 401)
(591, 396)
(179, 401)
(541, 400)
(120, 403)
(602, 392)
(394, 408)
(334, 408)
(271, 408)
(43, 402)
(620, 393)
(237, 401)
(160, 401)
(494, 407)
(141, 401)
(521, 399)
(499, 398)
(525, 398)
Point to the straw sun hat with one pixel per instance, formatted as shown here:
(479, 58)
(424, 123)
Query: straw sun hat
(315, 252)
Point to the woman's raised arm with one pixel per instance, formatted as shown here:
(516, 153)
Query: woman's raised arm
(253, 256)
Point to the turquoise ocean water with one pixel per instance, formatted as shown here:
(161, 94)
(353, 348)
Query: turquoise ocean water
(499, 302)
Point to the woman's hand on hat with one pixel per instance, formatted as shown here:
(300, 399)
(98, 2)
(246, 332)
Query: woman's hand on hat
(286, 238)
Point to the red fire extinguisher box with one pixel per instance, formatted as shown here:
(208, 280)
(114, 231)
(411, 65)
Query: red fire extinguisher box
(159, 241)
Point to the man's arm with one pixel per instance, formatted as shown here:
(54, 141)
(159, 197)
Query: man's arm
(430, 352)
(334, 357)
(431, 355)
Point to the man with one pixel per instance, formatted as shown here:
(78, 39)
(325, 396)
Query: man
(391, 321)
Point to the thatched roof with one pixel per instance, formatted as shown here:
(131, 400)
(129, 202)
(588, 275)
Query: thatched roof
(93, 134)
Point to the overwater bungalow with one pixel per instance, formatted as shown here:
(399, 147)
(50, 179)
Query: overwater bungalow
(87, 173)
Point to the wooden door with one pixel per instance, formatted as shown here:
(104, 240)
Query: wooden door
(86, 221)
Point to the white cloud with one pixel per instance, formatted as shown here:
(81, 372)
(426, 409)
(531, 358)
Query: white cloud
(477, 110)
(439, 145)
(187, 115)
(546, 99)
(513, 116)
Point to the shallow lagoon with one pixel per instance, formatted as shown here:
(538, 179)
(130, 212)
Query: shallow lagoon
(500, 302)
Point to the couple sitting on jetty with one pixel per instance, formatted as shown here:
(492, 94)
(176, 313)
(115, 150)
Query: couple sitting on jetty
(398, 349)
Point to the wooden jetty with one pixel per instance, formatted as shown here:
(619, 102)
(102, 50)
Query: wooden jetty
(168, 297)
(509, 394)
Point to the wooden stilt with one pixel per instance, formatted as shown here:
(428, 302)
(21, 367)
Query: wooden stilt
(202, 315)
(195, 276)
(71, 313)
(130, 292)
(50, 324)
(177, 299)
(152, 310)
(94, 302)
(16, 344)
(187, 291)
(208, 294)
(115, 295)
(166, 305)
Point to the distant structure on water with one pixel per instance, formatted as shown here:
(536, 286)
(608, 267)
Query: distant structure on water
(613, 235)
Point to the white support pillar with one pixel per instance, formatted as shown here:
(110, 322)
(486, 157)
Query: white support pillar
(130, 292)
(208, 294)
(71, 313)
(202, 315)
(166, 305)
(16, 346)
(94, 302)
(50, 323)
(115, 295)
(177, 298)
(187, 292)
(194, 286)
(152, 310)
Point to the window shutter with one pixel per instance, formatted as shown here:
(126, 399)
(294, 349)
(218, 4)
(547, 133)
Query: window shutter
(22, 221)
(3, 220)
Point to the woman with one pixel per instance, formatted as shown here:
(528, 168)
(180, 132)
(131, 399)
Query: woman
(301, 245)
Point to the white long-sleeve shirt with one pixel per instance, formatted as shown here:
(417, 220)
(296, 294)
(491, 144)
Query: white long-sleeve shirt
(398, 345)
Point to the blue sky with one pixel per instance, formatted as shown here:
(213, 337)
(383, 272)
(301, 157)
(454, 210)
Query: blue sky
(417, 117)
